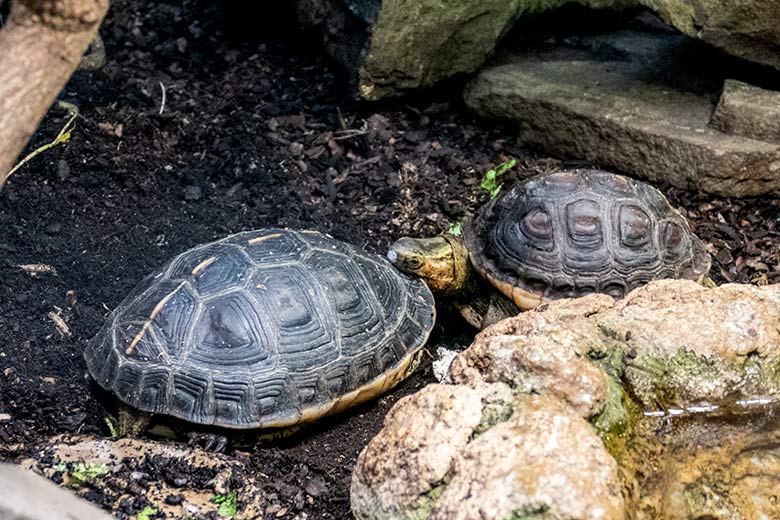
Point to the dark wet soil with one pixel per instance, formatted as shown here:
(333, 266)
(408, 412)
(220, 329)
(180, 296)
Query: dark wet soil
(254, 131)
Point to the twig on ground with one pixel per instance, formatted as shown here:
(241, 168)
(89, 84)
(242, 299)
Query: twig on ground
(162, 104)
(62, 137)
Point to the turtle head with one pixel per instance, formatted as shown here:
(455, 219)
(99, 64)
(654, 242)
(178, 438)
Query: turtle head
(442, 262)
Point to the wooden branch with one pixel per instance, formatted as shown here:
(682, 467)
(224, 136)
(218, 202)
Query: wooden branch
(41, 45)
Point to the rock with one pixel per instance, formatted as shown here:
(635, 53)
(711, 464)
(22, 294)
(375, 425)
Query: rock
(391, 46)
(748, 111)
(192, 192)
(744, 28)
(27, 496)
(544, 461)
(526, 353)
(695, 346)
(403, 468)
(509, 438)
(714, 467)
(627, 100)
(543, 458)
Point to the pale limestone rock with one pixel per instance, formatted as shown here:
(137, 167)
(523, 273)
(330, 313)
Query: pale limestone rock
(403, 468)
(545, 460)
(542, 352)
(484, 448)
(695, 346)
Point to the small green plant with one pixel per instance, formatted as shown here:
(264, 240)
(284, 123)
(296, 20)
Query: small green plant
(227, 504)
(456, 229)
(82, 473)
(112, 429)
(146, 513)
(490, 180)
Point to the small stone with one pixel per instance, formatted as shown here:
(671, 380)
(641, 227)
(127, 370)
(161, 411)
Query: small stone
(63, 170)
(53, 228)
(29, 496)
(192, 192)
(296, 149)
(316, 487)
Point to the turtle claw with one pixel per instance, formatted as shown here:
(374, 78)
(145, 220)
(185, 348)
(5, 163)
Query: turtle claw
(210, 442)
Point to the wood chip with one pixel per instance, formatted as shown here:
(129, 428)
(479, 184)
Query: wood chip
(59, 323)
(36, 270)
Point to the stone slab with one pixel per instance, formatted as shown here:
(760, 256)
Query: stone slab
(637, 101)
(28, 496)
(748, 110)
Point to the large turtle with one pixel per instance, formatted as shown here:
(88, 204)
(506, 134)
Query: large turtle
(262, 329)
(554, 236)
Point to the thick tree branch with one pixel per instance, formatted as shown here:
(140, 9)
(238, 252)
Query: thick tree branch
(40, 47)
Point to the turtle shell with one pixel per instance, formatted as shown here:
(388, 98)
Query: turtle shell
(576, 232)
(264, 328)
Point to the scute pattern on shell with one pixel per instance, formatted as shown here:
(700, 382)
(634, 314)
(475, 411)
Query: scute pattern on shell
(262, 328)
(571, 233)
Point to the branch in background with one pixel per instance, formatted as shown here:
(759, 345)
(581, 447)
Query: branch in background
(41, 45)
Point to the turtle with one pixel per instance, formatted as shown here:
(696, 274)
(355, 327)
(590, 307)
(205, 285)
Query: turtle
(264, 329)
(556, 235)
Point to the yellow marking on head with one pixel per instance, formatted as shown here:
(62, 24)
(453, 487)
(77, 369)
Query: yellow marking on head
(204, 264)
(155, 312)
(266, 237)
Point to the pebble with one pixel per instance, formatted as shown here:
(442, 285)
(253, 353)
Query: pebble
(192, 192)
(53, 228)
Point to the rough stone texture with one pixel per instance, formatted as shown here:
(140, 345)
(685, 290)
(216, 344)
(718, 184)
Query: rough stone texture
(485, 448)
(542, 459)
(749, 111)
(417, 43)
(744, 28)
(545, 460)
(27, 496)
(542, 352)
(696, 346)
(714, 467)
(626, 100)
(402, 469)
(394, 45)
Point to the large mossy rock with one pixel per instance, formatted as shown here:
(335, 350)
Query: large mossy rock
(390, 46)
(748, 29)
(547, 414)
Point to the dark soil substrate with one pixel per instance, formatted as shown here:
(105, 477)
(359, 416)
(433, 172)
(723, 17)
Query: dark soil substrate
(254, 133)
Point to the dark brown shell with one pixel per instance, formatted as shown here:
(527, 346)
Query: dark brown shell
(577, 232)
(262, 329)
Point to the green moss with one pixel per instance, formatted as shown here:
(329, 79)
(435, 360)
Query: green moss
(427, 501)
(660, 380)
(493, 413)
(530, 513)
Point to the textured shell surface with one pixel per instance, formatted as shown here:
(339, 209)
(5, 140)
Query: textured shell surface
(263, 328)
(581, 231)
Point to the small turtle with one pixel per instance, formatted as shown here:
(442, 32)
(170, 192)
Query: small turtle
(556, 236)
(262, 329)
